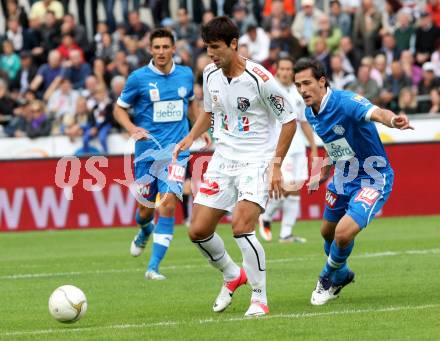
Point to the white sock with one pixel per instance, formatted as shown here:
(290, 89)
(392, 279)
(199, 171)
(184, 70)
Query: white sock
(254, 264)
(272, 206)
(290, 213)
(214, 251)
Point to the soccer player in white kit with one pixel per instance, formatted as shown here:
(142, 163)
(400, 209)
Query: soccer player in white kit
(245, 102)
(294, 167)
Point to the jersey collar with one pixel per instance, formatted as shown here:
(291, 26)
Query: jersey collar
(325, 100)
(156, 70)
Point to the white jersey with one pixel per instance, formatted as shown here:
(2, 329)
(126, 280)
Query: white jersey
(298, 145)
(245, 110)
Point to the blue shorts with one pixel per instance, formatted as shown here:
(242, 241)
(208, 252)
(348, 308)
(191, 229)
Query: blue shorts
(159, 176)
(360, 202)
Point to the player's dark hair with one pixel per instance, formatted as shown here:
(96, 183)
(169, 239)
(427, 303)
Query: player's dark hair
(161, 33)
(220, 29)
(314, 65)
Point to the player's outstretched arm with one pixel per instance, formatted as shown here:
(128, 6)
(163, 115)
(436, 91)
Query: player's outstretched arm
(390, 119)
(202, 124)
(121, 116)
(286, 135)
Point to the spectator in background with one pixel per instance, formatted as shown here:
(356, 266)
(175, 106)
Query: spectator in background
(13, 10)
(15, 34)
(16, 126)
(257, 41)
(426, 36)
(68, 44)
(380, 64)
(47, 73)
(389, 50)
(117, 85)
(9, 61)
(351, 56)
(433, 8)
(435, 101)
(242, 18)
(185, 29)
(136, 28)
(407, 102)
(106, 49)
(50, 32)
(40, 8)
(100, 122)
(332, 35)
(76, 70)
(404, 33)
(364, 85)
(289, 43)
(38, 124)
(7, 104)
(33, 42)
(69, 25)
(62, 102)
(276, 14)
(393, 84)
(274, 53)
(74, 124)
(305, 25)
(435, 58)
(339, 18)
(428, 83)
(367, 23)
(100, 72)
(389, 16)
(411, 70)
(27, 72)
(322, 53)
(339, 79)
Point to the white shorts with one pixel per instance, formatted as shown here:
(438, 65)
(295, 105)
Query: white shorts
(294, 168)
(227, 181)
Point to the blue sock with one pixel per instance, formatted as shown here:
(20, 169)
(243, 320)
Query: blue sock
(163, 234)
(327, 245)
(145, 224)
(337, 261)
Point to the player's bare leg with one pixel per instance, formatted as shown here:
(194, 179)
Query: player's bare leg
(336, 273)
(204, 221)
(244, 219)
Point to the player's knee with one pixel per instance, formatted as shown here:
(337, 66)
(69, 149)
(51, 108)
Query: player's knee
(145, 212)
(242, 224)
(327, 232)
(197, 232)
(343, 238)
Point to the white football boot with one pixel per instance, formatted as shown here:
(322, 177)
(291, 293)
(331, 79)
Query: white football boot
(224, 298)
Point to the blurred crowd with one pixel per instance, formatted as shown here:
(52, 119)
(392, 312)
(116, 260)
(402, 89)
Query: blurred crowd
(61, 72)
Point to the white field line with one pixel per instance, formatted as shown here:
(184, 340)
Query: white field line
(193, 266)
(216, 320)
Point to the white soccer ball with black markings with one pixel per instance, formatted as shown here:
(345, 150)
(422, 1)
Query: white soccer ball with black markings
(67, 304)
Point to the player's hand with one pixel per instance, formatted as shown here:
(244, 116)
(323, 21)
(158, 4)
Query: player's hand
(138, 133)
(314, 181)
(276, 182)
(401, 122)
(207, 139)
(182, 145)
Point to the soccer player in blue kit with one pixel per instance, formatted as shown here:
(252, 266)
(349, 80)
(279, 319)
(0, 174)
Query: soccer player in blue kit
(161, 95)
(363, 177)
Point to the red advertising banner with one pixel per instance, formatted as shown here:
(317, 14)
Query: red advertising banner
(92, 192)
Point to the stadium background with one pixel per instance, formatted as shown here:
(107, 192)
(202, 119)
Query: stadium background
(50, 110)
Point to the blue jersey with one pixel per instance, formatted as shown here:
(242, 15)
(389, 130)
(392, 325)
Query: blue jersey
(343, 124)
(160, 105)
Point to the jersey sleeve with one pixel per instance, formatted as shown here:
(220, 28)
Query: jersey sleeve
(277, 100)
(299, 108)
(207, 103)
(129, 93)
(191, 95)
(358, 107)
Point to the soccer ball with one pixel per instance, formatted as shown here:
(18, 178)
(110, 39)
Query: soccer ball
(67, 304)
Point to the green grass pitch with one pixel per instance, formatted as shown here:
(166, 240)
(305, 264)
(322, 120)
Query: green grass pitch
(396, 295)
